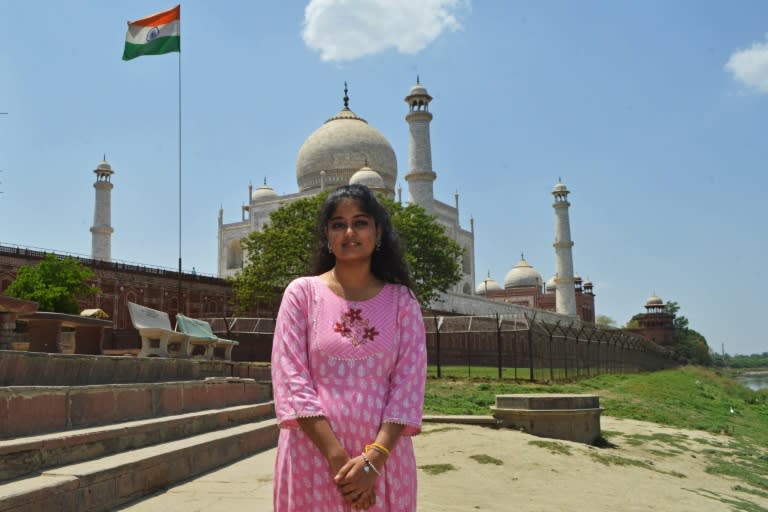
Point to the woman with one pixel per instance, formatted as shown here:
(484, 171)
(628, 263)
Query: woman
(348, 368)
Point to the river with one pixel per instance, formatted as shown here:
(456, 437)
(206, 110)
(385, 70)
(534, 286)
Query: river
(755, 381)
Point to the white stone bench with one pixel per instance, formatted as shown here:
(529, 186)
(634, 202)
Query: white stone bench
(200, 331)
(157, 337)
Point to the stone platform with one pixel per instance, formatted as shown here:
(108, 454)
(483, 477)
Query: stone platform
(560, 416)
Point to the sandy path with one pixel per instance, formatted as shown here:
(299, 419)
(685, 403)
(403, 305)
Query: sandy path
(535, 478)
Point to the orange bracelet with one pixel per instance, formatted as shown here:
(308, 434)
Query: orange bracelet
(378, 447)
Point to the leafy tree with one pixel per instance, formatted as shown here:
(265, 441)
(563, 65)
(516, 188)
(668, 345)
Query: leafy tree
(277, 254)
(55, 284)
(282, 251)
(605, 321)
(433, 257)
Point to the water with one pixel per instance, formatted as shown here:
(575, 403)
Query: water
(755, 381)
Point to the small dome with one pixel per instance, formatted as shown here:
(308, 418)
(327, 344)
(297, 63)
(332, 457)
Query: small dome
(368, 177)
(587, 284)
(654, 300)
(104, 168)
(560, 188)
(522, 275)
(263, 193)
(577, 278)
(551, 285)
(418, 89)
(487, 284)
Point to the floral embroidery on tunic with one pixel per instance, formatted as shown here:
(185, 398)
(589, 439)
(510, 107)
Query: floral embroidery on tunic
(352, 325)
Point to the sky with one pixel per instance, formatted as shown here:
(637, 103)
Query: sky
(652, 113)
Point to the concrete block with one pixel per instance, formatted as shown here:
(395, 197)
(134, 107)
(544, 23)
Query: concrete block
(29, 412)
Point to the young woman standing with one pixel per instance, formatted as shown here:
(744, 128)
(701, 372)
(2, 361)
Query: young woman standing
(348, 368)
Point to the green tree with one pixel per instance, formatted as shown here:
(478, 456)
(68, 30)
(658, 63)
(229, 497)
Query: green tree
(277, 254)
(55, 284)
(605, 321)
(690, 345)
(433, 257)
(282, 251)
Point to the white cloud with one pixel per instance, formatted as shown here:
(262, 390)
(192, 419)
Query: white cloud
(348, 29)
(750, 66)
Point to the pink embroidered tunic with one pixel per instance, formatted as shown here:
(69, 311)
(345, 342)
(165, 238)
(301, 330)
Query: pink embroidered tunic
(358, 364)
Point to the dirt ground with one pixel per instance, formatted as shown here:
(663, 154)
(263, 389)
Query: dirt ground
(649, 467)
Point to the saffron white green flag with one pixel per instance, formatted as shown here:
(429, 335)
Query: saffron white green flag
(154, 35)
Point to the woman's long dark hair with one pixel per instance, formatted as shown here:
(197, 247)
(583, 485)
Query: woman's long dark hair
(387, 261)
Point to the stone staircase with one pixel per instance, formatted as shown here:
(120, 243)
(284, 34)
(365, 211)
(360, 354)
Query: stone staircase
(95, 447)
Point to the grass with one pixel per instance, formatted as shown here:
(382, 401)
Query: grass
(486, 459)
(436, 469)
(552, 446)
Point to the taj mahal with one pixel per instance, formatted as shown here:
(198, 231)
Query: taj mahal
(347, 149)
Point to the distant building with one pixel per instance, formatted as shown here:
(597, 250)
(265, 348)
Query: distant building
(656, 324)
(346, 149)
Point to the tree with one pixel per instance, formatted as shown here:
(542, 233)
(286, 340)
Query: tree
(277, 254)
(55, 284)
(605, 321)
(433, 257)
(282, 251)
(690, 345)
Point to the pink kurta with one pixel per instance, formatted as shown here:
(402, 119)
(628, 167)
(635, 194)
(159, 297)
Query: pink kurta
(359, 364)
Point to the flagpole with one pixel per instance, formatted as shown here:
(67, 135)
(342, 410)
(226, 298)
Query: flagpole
(182, 309)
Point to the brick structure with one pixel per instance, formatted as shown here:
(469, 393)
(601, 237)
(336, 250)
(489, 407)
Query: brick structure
(120, 283)
(656, 324)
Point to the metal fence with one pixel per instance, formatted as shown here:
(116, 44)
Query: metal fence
(521, 347)
(518, 346)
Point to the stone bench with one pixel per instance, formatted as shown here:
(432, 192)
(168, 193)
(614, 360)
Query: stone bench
(560, 416)
(157, 337)
(200, 331)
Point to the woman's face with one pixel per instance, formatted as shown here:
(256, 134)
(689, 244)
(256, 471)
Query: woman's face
(352, 233)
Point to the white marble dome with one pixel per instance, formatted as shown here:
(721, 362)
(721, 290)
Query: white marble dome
(522, 275)
(340, 147)
(263, 193)
(560, 188)
(551, 285)
(368, 177)
(487, 284)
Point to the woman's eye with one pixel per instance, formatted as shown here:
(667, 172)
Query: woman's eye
(338, 225)
(361, 223)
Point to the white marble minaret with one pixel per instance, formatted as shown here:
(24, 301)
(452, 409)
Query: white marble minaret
(565, 294)
(101, 231)
(420, 176)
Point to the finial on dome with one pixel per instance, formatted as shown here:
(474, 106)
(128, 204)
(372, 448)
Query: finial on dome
(522, 255)
(265, 181)
(417, 79)
(105, 157)
(346, 96)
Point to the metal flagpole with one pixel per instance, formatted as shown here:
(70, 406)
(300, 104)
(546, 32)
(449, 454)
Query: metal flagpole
(182, 309)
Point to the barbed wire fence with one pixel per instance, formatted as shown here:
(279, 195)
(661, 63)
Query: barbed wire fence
(519, 346)
(522, 347)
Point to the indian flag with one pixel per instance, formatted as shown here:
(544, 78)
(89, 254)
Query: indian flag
(154, 35)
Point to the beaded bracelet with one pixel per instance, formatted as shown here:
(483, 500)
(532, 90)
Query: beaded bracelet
(368, 465)
(378, 447)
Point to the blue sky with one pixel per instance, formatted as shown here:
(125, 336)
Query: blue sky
(653, 114)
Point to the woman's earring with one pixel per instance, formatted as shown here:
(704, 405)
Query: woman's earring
(330, 250)
(378, 244)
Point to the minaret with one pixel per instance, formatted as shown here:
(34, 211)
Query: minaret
(420, 176)
(101, 232)
(565, 295)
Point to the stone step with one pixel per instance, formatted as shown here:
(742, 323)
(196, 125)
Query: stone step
(105, 483)
(31, 410)
(26, 455)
